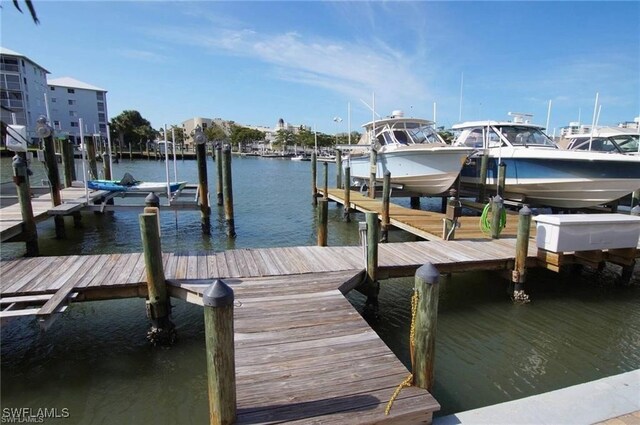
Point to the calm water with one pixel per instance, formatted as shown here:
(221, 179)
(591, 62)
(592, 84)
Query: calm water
(96, 362)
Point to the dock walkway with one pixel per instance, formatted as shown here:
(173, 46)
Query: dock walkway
(73, 199)
(425, 224)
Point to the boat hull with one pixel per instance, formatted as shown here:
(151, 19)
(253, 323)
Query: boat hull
(425, 171)
(114, 186)
(561, 180)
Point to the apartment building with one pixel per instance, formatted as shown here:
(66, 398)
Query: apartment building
(70, 100)
(23, 84)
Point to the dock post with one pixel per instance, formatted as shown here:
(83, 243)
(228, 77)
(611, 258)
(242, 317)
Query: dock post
(21, 179)
(482, 192)
(158, 304)
(325, 186)
(314, 178)
(219, 171)
(386, 194)
(152, 200)
(453, 212)
(502, 175)
(203, 183)
(323, 213)
(518, 275)
(106, 164)
(227, 189)
(220, 352)
(91, 156)
(338, 169)
(373, 236)
(347, 194)
(496, 216)
(373, 164)
(131, 151)
(425, 321)
(635, 198)
(67, 162)
(52, 173)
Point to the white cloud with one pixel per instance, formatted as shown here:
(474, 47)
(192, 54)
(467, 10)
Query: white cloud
(142, 55)
(353, 69)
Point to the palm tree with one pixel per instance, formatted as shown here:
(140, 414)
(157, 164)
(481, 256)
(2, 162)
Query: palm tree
(31, 8)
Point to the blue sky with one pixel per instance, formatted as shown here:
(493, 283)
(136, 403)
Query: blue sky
(304, 61)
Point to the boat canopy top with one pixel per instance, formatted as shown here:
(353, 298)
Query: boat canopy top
(492, 134)
(400, 131)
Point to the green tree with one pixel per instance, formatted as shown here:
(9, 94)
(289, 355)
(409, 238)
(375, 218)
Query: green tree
(131, 127)
(284, 138)
(305, 138)
(243, 135)
(215, 133)
(447, 136)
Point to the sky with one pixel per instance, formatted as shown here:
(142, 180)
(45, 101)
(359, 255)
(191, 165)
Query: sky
(310, 62)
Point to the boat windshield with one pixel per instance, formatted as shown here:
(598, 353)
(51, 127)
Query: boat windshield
(407, 133)
(525, 136)
(628, 143)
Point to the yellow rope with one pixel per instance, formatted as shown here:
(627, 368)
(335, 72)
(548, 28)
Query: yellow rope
(409, 380)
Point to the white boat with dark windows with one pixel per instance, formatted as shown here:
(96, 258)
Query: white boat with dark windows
(538, 172)
(605, 139)
(411, 151)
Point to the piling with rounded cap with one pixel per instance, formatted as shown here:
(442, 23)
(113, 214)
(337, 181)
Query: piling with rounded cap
(21, 179)
(425, 320)
(218, 294)
(152, 200)
(221, 370)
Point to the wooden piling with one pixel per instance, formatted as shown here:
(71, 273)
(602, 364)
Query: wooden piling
(496, 216)
(106, 164)
(482, 192)
(220, 353)
(502, 175)
(54, 183)
(425, 323)
(131, 150)
(21, 180)
(338, 169)
(66, 149)
(372, 287)
(158, 305)
(227, 190)
(203, 188)
(386, 195)
(453, 211)
(323, 213)
(325, 186)
(91, 156)
(314, 178)
(347, 194)
(219, 175)
(373, 167)
(518, 275)
(414, 202)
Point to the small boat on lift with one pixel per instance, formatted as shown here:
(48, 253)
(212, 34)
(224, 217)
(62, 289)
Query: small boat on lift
(129, 184)
(411, 150)
(540, 173)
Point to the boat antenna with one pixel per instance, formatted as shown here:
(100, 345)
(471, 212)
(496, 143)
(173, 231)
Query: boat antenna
(434, 114)
(593, 122)
(461, 84)
(548, 117)
(371, 108)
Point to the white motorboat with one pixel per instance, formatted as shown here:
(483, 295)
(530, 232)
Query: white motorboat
(539, 172)
(411, 151)
(605, 139)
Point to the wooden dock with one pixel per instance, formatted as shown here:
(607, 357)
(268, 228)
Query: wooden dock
(425, 224)
(73, 198)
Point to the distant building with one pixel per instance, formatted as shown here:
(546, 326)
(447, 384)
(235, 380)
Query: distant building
(23, 84)
(189, 125)
(70, 100)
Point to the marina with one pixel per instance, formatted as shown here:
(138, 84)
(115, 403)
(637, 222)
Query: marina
(333, 268)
